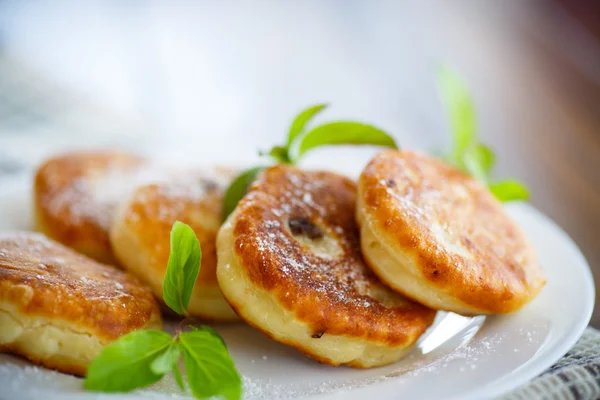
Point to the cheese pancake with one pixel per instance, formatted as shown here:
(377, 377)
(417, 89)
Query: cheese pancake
(439, 237)
(59, 308)
(289, 263)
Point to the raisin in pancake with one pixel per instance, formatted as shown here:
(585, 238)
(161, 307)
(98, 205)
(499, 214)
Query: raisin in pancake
(290, 265)
(437, 236)
(59, 308)
(75, 196)
(140, 235)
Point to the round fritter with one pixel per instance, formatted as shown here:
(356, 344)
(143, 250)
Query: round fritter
(59, 308)
(75, 196)
(290, 265)
(437, 236)
(140, 235)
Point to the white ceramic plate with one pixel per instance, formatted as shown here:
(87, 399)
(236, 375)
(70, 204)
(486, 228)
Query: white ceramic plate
(466, 358)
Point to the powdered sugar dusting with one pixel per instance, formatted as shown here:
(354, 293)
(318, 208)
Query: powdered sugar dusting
(92, 198)
(331, 263)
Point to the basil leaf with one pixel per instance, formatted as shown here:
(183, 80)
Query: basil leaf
(178, 377)
(509, 190)
(210, 369)
(459, 106)
(182, 268)
(124, 365)
(301, 120)
(342, 132)
(238, 188)
(167, 360)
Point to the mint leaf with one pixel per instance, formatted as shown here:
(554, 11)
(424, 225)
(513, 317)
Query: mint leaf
(509, 190)
(478, 161)
(301, 120)
(335, 133)
(279, 154)
(182, 268)
(210, 369)
(209, 330)
(125, 364)
(167, 360)
(237, 189)
(485, 157)
(459, 106)
(178, 378)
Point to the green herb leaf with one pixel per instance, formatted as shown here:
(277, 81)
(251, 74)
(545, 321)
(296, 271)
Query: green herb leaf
(459, 106)
(509, 190)
(486, 157)
(478, 160)
(210, 369)
(167, 360)
(279, 154)
(468, 153)
(182, 268)
(238, 188)
(209, 330)
(178, 378)
(125, 365)
(342, 132)
(301, 120)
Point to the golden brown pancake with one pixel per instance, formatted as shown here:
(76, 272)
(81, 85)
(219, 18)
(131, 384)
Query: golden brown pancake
(141, 231)
(75, 196)
(289, 263)
(439, 237)
(59, 308)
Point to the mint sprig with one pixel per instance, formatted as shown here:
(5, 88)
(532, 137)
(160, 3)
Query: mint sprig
(182, 268)
(301, 140)
(141, 358)
(468, 153)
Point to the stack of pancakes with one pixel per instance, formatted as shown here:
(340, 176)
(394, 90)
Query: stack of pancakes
(346, 274)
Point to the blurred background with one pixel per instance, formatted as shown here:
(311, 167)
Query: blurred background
(208, 81)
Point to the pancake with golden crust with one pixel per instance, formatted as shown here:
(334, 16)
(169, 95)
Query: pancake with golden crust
(289, 263)
(59, 308)
(140, 234)
(75, 196)
(437, 236)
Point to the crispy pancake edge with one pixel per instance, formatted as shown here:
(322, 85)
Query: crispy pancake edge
(399, 326)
